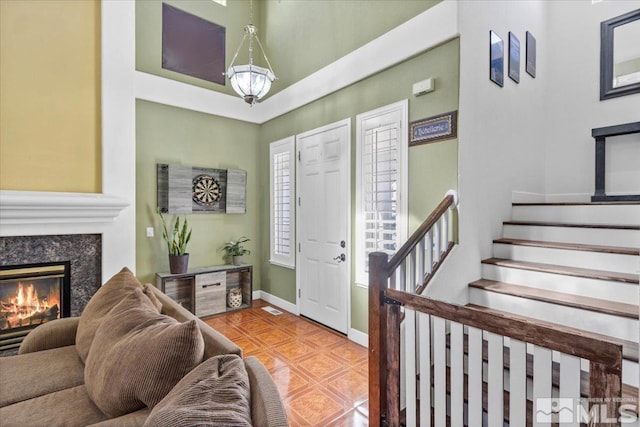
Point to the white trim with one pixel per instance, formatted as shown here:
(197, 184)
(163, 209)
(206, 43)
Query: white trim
(528, 197)
(27, 208)
(284, 145)
(279, 302)
(362, 278)
(345, 122)
(359, 337)
(427, 30)
(256, 295)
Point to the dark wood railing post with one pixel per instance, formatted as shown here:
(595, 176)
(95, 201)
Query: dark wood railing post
(605, 391)
(392, 385)
(378, 278)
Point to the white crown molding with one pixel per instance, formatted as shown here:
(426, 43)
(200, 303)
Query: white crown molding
(21, 210)
(425, 31)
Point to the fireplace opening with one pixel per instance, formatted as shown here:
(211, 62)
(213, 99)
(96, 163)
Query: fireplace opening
(32, 294)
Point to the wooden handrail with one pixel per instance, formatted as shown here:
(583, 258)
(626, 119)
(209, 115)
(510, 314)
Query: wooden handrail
(597, 350)
(382, 317)
(419, 234)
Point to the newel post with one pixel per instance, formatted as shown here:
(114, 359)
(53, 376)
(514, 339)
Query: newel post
(378, 278)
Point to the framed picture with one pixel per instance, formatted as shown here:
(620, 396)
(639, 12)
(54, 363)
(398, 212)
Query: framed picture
(531, 55)
(432, 129)
(496, 55)
(514, 58)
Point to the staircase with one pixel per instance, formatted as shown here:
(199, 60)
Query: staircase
(570, 264)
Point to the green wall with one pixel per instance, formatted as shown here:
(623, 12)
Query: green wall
(433, 168)
(167, 134)
(315, 33)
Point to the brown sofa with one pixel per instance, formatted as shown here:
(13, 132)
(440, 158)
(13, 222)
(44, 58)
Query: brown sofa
(51, 382)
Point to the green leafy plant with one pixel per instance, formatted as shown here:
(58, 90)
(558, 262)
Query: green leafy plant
(236, 248)
(177, 243)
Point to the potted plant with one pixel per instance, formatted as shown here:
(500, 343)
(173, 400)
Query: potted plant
(235, 250)
(177, 244)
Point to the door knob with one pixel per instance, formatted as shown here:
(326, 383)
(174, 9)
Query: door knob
(340, 258)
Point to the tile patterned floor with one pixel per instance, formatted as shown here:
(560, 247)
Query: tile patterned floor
(321, 375)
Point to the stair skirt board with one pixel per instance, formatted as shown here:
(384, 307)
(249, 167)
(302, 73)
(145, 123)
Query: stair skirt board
(593, 288)
(616, 326)
(626, 214)
(579, 235)
(570, 258)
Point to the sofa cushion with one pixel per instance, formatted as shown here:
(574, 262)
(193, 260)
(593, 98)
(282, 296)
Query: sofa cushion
(216, 393)
(109, 294)
(70, 407)
(138, 355)
(148, 291)
(35, 374)
(132, 419)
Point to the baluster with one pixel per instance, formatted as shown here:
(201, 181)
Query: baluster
(402, 284)
(517, 383)
(495, 392)
(412, 271)
(425, 369)
(570, 383)
(444, 233)
(475, 377)
(436, 244)
(541, 385)
(420, 265)
(456, 351)
(429, 249)
(410, 365)
(439, 371)
(392, 280)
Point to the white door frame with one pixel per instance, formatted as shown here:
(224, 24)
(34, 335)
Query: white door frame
(345, 122)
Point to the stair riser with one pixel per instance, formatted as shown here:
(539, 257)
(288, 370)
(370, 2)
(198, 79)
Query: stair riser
(617, 326)
(587, 236)
(603, 289)
(580, 214)
(570, 258)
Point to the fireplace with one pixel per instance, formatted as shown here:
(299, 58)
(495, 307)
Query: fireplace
(32, 294)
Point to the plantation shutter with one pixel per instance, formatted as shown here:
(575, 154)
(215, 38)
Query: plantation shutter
(282, 202)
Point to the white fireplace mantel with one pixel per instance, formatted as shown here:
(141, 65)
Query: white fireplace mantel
(25, 213)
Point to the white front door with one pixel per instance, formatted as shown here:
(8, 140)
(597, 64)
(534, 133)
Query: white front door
(323, 216)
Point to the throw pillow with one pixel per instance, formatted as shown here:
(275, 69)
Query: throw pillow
(109, 294)
(148, 291)
(216, 393)
(138, 356)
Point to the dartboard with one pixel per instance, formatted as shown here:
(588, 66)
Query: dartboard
(206, 190)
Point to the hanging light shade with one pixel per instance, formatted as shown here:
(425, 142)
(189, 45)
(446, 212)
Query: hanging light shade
(250, 81)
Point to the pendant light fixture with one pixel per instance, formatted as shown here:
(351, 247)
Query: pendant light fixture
(250, 81)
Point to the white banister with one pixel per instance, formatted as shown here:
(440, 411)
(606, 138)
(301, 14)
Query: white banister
(439, 371)
(541, 381)
(475, 377)
(456, 351)
(495, 372)
(517, 383)
(410, 365)
(425, 369)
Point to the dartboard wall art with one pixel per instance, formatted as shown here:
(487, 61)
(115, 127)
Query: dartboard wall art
(188, 189)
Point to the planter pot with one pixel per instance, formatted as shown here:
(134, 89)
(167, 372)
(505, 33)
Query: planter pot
(178, 264)
(237, 260)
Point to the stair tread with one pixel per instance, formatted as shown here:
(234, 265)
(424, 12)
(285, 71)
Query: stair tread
(570, 246)
(563, 270)
(630, 349)
(573, 225)
(570, 300)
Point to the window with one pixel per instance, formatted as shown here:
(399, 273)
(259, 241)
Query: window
(381, 184)
(282, 184)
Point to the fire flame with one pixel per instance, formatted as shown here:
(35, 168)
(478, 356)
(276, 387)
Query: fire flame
(25, 304)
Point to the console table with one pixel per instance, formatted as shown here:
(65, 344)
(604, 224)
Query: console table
(203, 291)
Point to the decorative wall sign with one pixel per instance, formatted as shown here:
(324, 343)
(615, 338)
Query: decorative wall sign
(496, 61)
(514, 58)
(186, 189)
(432, 129)
(531, 55)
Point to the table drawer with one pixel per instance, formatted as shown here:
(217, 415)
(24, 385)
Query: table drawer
(210, 294)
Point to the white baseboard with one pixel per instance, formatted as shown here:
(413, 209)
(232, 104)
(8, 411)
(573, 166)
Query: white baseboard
(256, 295)
(279, 302)
(359, 337)
(526, 197)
